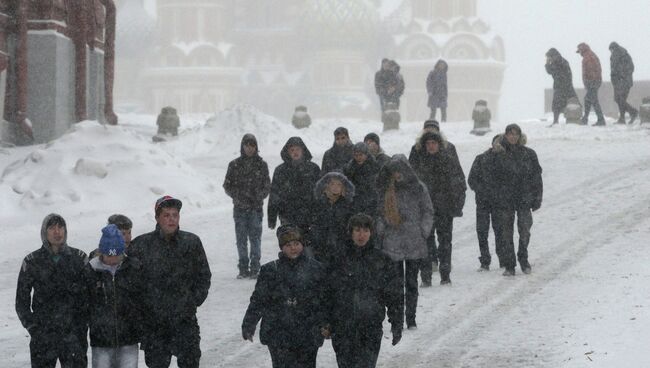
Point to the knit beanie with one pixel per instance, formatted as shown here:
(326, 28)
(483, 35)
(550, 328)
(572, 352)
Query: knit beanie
(431, 124)
(373, 137)
(111, 243)
(361, 148)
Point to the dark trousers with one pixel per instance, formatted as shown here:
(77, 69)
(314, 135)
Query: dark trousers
(70, 351)
(483, 216)
(293, 357)
(443, 226)
(248, 228)
(443, 114)
(591, 99)
(359, 350)
(408, 272)
(505, 236)
(621, 100)
(182, 340)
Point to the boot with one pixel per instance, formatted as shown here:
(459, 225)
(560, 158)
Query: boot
(621, 120)
(600, 122)
(484, 268)
(633, 116)
(509, 272)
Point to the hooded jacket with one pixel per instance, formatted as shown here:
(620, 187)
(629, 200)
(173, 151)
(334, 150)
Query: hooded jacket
(559, 68)
(362, 287)
(117, 313)
(591, 70)
(292, 187)
(622, 68)
(58, 307)
(329, 225)
(407, 240)
(517, 176)
(289, 299)
(247, 180)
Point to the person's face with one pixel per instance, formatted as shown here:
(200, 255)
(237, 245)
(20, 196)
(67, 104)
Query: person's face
(56, 235)
(372, 146)
(512, 137)
(168, 219)
(112, 260)
(292, 249)
(433, 147)
(360, 157)
(295, 152)
(398, 176)
(249, 149)
(126, 234)
(335, 187)
(341, 140)
(360, 236)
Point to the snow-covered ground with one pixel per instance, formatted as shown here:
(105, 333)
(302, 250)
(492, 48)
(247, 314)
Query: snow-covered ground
(586, 304)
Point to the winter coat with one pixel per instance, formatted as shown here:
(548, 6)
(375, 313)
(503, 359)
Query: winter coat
(418, 152)
(176, 275)
(288, 298)
(559, 69)
(329, 225)
(591, 70)
(116, 307)
(445, 181)
(247, 180)
(622, 68)
(437, 86)
(381, 158)
(517, 176)
(389, 83)
(481, 177)
(292, 187)
(407, 240)
(336, 158)
(364, 178)
(362, 285)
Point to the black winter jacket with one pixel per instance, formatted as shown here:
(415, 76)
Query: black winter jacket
(336, 158)
(361, 286)
(116, 307)
(175, 272)
(518, 177)
(622, 68)
(481, 177)
(247, 180)
(292, 187)
(364, 178)
(288, 298)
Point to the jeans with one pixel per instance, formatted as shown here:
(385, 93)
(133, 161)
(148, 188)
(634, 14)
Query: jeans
(591, 98)
(293, 358)
(122, 357)
(248, 227)
(505, 235)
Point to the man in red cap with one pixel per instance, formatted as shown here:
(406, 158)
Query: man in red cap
(177, 277)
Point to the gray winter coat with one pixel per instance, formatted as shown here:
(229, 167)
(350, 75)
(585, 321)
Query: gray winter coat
(408, 240)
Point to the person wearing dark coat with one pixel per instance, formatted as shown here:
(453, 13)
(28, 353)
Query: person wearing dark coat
(592, 79)
(481, 180)
(363, 286)
(362, 171)
(289, 299)
(445, 181)
(247, 182)
(339, 154)
(389, 83)
(374, 147)
(405, 216)
(333, 205)
(51, 299)
(622, 68)
(115, 291)
(437, 90)
(177, 276)
(292, 186)
(558, 67)
(418, 152)
(519, 189)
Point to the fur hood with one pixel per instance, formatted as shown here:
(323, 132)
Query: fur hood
(321, 184)
(418, 143)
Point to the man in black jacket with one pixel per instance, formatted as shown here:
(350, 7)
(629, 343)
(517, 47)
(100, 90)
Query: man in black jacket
(362, 286)
(519, 189)
(55, 315)
(622, 69)
(339, 154)
(441, 172)
(247, 182)
(115, 298)
(177, 278)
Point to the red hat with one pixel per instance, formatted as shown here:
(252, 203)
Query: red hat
(167, 201)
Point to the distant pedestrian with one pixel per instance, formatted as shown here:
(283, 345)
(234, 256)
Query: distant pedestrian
(558, 67)
(622, 68)
(437, 90)
(339, 154)
(289, 299)
(389, 83)
(592, 79)
(247, 182)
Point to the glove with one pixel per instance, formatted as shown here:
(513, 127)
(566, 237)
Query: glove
(397, 336)
(247, 335)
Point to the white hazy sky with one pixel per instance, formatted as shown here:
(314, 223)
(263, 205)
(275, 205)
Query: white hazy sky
(529, 28)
